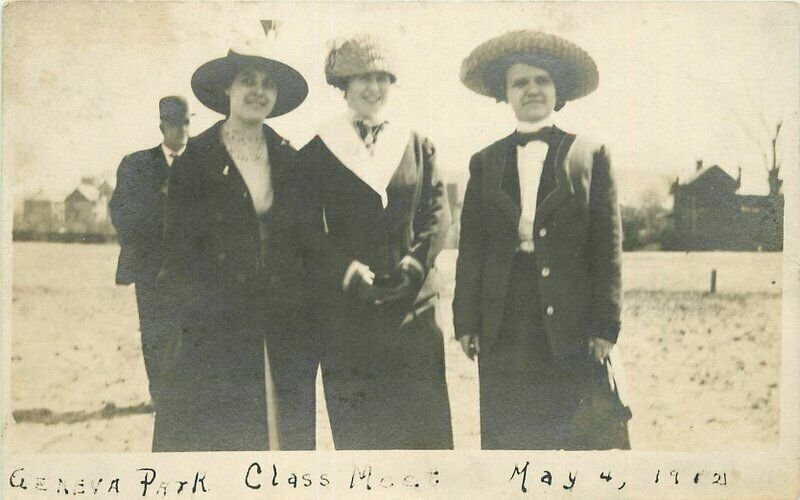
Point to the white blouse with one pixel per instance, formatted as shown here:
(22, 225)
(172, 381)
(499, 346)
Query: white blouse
(530, 161)
(249, 153)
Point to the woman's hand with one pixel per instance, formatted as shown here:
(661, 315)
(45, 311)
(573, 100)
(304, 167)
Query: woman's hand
(471, 345)
(599, 349)
(411, 278)
(359, 284)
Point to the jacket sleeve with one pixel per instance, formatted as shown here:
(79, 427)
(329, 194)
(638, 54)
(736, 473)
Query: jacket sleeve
(471, 251)
(128, 206)
(605, 247)
(432, 217)
(327, 260)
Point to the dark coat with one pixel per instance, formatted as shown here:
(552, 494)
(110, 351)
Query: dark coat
(577, 233)
(222, 297)
(137, 211)
(359, 228)
(383, 367)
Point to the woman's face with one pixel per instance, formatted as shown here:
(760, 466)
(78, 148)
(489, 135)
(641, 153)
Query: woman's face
(252, 95)
(367, 94)
(530, 91)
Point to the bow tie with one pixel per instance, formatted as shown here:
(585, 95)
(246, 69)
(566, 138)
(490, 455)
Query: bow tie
(523, 138)
(368, 132)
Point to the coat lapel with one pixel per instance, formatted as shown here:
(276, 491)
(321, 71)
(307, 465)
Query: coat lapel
(225, 172)
(405, 180)
(222, 170)
(160, 165)
(563, 190)
(502, 158)
(278, 150)
(375, 169)
(505, 195)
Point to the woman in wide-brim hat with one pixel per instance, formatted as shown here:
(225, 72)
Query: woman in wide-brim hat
(227, 288)
(383, 204)
(538, 277)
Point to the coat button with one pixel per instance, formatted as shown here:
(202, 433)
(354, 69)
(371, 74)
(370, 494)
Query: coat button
(550, 310)
(545, 272)
(543, 232)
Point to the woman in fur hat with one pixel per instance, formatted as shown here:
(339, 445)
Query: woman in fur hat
(538, 286)
(230, 287)
(381, 200)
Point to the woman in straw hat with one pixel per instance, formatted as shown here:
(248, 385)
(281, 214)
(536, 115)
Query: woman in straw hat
(230, 288)
(538, 291)
(381, 200)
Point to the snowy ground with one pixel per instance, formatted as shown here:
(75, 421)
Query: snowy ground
(703, 369)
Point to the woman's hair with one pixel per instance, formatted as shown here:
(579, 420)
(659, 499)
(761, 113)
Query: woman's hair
(496, 73)
(343, 82)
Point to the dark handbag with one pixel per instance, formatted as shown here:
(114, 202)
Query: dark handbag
(601, 420)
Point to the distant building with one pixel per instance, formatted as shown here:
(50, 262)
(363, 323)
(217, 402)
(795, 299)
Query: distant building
(87, 205)
(43, 210)
(81, 215)
(710, 215)
(106, 190)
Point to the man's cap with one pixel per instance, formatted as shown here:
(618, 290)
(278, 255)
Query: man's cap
(173, 109)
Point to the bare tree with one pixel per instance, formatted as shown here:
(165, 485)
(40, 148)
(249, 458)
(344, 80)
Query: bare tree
(774, 179)
(765, 138)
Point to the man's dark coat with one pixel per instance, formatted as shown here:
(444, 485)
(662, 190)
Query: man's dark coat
(137, 211)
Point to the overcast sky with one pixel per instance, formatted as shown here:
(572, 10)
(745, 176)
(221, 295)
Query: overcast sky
(678, 82)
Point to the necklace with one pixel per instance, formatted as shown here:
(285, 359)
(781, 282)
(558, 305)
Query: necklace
(244, 147)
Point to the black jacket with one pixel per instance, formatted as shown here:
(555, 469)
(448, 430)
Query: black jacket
(577, 233)
(137, 211)
(212, 229)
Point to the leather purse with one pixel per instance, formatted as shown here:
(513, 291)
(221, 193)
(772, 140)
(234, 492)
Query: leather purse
(601, 419)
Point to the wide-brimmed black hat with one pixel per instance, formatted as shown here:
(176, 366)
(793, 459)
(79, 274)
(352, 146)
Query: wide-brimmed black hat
(212, 78)
(573, 70)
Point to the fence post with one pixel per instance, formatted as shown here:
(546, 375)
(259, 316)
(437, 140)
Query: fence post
(713, 281)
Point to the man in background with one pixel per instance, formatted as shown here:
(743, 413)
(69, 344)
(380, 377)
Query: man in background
(137, 211)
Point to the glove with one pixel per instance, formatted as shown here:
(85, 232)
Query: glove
(360, 285)
(411, 278)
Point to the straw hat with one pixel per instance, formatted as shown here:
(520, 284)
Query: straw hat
(212, 78)
(358, 55)
(573, 70)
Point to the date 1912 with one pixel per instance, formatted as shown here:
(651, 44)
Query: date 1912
(718, 478)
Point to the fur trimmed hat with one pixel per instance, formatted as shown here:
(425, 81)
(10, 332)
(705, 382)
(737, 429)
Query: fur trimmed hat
(573, 70)
(357, 55)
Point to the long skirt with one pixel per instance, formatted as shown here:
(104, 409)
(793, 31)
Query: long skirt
(211, 390)
(528, 399)
(385, 386)
(294, 358)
